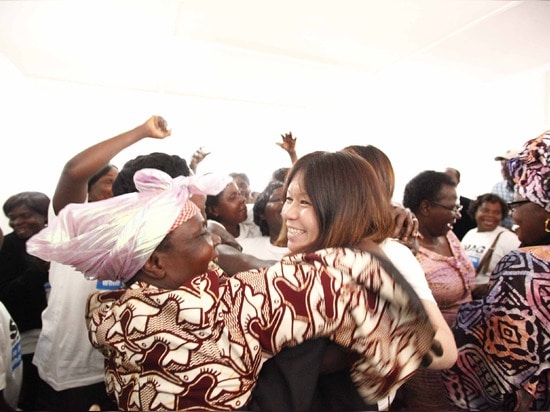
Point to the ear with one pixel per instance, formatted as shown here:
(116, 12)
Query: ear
(212, 211)
(424, 207)
(153, 267)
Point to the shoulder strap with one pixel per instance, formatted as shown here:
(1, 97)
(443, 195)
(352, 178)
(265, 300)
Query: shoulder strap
(484, 263)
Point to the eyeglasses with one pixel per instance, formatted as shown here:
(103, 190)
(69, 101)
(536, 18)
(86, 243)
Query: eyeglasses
(456, 209)
(515, 204)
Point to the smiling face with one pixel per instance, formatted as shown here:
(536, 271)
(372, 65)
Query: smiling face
(488, 216)
(443, 213)
(25, 221)
(188, 251)
(299, 216)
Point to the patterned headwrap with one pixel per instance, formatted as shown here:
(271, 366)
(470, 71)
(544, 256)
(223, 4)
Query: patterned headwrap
(530, 170)
(112, 239)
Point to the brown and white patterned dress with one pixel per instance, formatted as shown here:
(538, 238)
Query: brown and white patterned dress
(201, 347)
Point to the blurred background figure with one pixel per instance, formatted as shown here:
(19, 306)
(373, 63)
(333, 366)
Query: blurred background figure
(505, 188)
(466, 221)
(24, 281)
(267, 216)
(487, 243)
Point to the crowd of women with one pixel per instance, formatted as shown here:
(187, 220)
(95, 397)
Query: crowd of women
(157, 288)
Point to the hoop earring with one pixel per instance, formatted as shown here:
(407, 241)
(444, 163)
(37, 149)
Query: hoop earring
(546, 228)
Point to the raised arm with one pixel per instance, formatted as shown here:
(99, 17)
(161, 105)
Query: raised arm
(73, 183)
(197, 157)
(289, 145)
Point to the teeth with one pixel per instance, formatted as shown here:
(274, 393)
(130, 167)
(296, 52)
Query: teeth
(293, 231)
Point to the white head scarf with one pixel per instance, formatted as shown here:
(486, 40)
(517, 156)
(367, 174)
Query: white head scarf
(112, 239)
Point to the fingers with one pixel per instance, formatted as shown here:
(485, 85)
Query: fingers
(427, 360)
(400, 217)
(436, 349)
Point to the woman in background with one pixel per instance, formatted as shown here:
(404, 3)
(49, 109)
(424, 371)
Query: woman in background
(433, 198)
(24, 281)
(488, 242)
(267, 215)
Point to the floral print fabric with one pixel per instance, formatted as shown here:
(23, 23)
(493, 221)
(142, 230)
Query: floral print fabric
(201, 347)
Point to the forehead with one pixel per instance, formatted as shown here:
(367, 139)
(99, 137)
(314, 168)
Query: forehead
(190, 228)
(297, 183)
(230, 188)
(447, 191)
(278, 191)
(19, 209)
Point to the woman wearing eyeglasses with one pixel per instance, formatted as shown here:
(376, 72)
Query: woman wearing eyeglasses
(504, 338)
(433, 198)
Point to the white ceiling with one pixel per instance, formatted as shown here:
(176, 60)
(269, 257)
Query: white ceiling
(232, 49)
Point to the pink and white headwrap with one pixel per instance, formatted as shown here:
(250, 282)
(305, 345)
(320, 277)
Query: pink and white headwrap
(530, 170)
(112, 239)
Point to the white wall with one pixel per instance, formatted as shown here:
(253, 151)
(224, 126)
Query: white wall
(420, 122)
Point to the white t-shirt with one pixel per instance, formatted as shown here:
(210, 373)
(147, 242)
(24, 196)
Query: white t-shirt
(64, 356)
(248, 228)
(404, 260)
(477, 243)
(11, 363)
(261, 247)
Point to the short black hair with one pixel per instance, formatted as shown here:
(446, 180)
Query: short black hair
(37, 201)
(173, 165)
(261, 203)
(100, 174)
(426, 185)
(488, 197)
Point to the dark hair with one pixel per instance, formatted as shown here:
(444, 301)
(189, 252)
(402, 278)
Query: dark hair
(100, 174)
(425, 186)
(349, 200)
(211, 201)
(171, 164)
(487, 197)
(261, 203)
(241, 175)
(379, 161)
(280, 174)
(37, 201)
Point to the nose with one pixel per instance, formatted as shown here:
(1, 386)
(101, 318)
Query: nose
(288, 211)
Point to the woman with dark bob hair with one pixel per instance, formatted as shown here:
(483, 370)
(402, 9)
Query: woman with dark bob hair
(331, 200)
(24, 279)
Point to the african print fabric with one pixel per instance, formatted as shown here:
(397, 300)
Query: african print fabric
(201, 347)
(504, 339)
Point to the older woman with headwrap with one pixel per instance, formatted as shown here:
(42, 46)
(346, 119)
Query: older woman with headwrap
(184, 335)
(504, 338)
